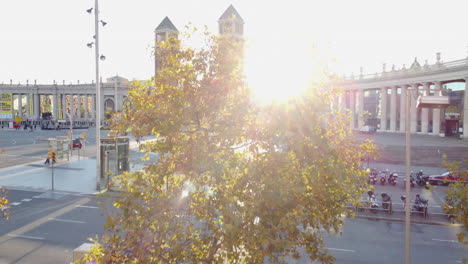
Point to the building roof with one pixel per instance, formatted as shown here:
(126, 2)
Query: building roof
(166, 24)
(230, 13)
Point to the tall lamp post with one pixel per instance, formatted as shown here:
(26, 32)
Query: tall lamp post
(423, 101)
(98, 90)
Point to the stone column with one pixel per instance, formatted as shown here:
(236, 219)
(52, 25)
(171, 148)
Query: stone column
(383, 109)
(341, 101)
(55, 106)
(36, 105)
(27, 106)
(20, 105)
(72, 106)
(80, 105)
(86, 105)
(414, 110)
(436, 111)
(393, 109)
(360, 108)
(352, 105)
(403, 108)
(465, 110)
(425, 111)
(64, 106)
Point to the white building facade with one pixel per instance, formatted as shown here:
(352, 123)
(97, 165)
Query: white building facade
(377, 99)
(59, 101)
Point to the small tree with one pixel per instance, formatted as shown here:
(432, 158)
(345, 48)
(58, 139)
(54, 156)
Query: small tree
(3, 203)
(234, 181)
(456, 200)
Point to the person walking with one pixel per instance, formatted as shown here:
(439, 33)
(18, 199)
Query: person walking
(47, 161)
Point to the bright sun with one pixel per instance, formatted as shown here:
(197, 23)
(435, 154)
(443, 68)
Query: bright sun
(287, 73)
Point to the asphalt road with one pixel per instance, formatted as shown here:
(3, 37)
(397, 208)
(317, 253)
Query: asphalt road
(21, 146)
(45, 228)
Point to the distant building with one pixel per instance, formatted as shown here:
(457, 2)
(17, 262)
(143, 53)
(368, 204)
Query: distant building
(56, 101)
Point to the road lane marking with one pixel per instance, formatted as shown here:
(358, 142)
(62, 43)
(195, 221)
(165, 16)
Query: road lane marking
(87, 206)
(26, 200)
(445, 240)
(31, 237)
(16, 203)
(19, 173)
(43, 220)
(340, 249)
(69, 221)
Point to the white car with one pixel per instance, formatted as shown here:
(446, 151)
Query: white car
(367, 129)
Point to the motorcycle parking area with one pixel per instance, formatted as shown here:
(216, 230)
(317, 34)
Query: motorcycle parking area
(435, 196)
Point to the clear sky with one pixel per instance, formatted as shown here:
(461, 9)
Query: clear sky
(46, 40)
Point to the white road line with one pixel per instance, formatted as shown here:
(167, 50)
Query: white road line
(340, 249)
(69, 221)
(86, 206)
(3, 208)
(38, 238)
(445, 240)
(16, 203)
(26, 200)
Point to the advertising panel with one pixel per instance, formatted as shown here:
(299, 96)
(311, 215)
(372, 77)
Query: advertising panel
(6, 106)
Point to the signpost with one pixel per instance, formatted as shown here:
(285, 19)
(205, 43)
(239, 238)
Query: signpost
(52, 159)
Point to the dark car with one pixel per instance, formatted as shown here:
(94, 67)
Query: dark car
(77, 144)
(447, 177)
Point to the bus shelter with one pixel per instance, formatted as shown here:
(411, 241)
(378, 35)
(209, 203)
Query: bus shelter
(115, 157)
(60, 146)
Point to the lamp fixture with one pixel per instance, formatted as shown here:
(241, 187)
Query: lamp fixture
(89, 10)
(103, 22)
(90, 45)
(102, 57)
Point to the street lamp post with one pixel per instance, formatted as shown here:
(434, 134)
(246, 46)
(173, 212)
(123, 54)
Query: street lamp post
(98, 98)
(408, 183)
(98, 90)
(423, 101)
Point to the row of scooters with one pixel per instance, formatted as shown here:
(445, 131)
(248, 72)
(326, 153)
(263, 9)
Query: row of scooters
(420, 204)
(384, 177)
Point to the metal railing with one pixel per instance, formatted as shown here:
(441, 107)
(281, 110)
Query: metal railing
(397, 207)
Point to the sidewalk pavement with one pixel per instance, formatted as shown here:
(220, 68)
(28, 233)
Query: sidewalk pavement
(76, 175)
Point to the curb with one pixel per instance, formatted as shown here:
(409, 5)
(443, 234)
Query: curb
(374, 218)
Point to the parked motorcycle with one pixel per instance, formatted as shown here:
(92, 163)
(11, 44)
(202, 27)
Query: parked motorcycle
(372, 201)
(411, 180)
(382, 178)
(403, 199)
(419, 178)
(371, 178)
(392, 178)
(386, 201)
(421, 204)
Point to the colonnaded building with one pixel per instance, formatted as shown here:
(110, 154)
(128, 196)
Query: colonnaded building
(60, 101)
(378, 99)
